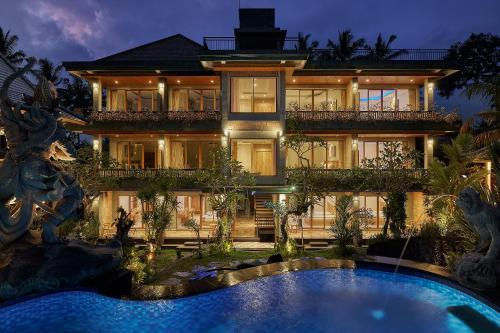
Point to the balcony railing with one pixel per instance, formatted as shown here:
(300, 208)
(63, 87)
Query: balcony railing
(391, 55)
(373, 116)
(359, 179)
(154, 116)
(147, 173)
(231, 44)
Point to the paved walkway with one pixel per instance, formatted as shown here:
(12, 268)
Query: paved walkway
(253, 246)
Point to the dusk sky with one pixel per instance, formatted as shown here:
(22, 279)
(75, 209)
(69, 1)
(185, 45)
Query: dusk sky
(89, 29)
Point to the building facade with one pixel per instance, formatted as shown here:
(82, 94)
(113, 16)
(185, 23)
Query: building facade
(161, 107)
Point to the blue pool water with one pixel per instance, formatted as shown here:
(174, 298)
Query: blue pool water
(330, 300)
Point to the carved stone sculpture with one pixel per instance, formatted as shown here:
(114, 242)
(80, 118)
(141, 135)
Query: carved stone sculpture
(28, 176)
(481, 269)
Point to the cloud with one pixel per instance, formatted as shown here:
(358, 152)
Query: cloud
(82, 23)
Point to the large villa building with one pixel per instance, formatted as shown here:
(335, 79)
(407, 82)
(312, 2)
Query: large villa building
(161, 107)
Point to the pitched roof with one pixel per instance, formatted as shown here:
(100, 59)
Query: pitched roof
(170, 47)
(176, 52)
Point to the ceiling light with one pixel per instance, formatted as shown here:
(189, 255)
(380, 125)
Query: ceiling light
(338, 80)
(411, 80)
(211, 81)
(367, 80)
(223, 62)
(283, 62)
(294, 80)
(116, 82)
(149, 81)
(178, 81)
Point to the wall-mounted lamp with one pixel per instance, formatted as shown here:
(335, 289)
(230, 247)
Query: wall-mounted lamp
(161, 144)
(354, 87)
(161, 85)
(95, 86)
(355, 198)
(227, 132)
(223, 62)
(430, 142)
(430, 86)
(354, 144)
(95, 144)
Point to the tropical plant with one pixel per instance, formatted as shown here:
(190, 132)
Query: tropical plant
(123, 223)
(347, 223)
(227, 180)
(346, 47)
(393, 179)
(76, 95)
(196, 227)
(477, 61)
(304, 44)
(158, 203)
(50, 71)
(8, 47)
(381, 50)
(447, 180)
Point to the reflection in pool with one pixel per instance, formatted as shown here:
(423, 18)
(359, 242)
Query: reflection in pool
(329, 300)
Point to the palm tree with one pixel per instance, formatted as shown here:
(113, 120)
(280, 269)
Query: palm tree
(303, 42)
(381, 50)
(48, 70)
(8, 45)
(76, 94)
(489, 91)
(346, 47)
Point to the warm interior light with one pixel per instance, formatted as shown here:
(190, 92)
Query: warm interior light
(430, 142)
(95, 144)
(161, 85)
(149, 81)
(411, 80)
(294, 80)
(283, 62)
(367, 80)
(116, 82)
(212, 81)
(95, 85)
(223, 62)
(338, 80)
(161, 144)
(178, 81)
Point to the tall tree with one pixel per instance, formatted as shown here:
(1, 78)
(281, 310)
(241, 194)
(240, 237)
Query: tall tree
(50, 71)
(303, 42)
(8, 47)
(381, 50)
(477, 60)
(346, 46)
(76, 94)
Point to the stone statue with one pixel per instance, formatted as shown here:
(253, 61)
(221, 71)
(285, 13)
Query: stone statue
(28, 175)
(481, 269)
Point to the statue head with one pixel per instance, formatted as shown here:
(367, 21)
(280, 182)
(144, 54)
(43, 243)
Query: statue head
(469, 201)
(45, 93)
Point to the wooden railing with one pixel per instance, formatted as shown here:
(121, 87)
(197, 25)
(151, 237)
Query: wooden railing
(358, 179)
(156, 116)
(147, 173)
(344, 116)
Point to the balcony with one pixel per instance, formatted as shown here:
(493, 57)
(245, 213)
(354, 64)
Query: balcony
(154, 120)
(358, 179)
(373, 120)
(133, 179)
(224, 45)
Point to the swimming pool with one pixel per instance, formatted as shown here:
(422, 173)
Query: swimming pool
(321, 300)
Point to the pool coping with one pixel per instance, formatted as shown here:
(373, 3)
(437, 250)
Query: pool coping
(409, 267)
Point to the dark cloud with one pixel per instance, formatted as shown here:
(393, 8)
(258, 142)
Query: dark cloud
(88, 29)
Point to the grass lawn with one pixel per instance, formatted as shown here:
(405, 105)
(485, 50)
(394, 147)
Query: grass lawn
(167, 264)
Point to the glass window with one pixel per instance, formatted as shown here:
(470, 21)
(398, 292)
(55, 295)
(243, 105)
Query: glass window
(292, 100)
(206, 151)
(336, 99)
(194, 100)
(132, 207)
(208, 100)
(132, 100)
(188, 206)
(137, 155)
(118, 100)
(292, 159)
(403, 101)
(256, 156)
(253, 94)
(334, 154)
(389, 100)
(363, 100)
(306, 100)
(149, 155)
(320, 101)
(319, 160)
(179, 99)
(191, 154)
(146, 100)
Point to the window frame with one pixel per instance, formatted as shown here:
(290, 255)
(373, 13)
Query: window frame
(233, 95)
(155, 106)
(201, 101)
